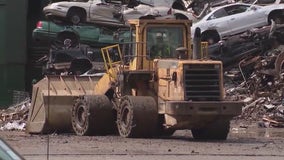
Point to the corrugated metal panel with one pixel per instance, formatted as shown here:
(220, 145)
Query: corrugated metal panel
(13, 16)
(11, 79)
(2, 30)
(16, 23)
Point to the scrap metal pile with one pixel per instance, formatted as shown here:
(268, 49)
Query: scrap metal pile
(259, 82)
(15, 117)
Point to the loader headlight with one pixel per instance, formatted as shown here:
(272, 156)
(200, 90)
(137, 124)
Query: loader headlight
(174, 65)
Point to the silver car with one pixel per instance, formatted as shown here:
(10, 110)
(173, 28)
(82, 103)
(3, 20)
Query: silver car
(236, 18)
(93, 11)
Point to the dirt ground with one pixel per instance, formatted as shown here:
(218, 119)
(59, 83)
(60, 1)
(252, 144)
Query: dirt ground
(245, 142)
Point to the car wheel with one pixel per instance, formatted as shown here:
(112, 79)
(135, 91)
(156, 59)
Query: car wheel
(276, 17)
(277, 20)
(67, 39)
(211, 37)
(76, 16)
(178, 4)
(75, 19)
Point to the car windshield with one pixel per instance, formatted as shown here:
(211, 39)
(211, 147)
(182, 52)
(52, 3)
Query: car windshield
(218, 14)
(164, 41)
(236, 9)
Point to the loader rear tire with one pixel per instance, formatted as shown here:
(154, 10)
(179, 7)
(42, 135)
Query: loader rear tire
(137, 117)
(93, 115)
(218, 130)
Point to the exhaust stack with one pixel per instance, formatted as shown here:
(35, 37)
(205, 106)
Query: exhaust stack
(197, 44)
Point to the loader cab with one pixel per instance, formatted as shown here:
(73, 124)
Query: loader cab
(152, 40)
(162, 42)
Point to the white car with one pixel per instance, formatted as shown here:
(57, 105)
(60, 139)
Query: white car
(236, 18)
(96, 11)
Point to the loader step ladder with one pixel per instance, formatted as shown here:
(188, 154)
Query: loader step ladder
(112, 57)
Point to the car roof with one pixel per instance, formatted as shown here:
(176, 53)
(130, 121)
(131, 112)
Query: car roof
(232, 4)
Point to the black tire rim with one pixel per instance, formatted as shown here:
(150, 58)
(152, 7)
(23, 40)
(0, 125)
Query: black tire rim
(125, 117)
(80, 117)
(75, 19)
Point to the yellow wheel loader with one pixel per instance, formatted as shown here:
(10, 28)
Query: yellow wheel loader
(147, 91)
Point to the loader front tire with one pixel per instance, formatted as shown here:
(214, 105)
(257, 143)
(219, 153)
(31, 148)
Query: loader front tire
(93, 115)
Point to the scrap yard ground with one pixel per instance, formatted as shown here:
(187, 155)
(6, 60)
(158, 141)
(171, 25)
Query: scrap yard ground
(244, 142)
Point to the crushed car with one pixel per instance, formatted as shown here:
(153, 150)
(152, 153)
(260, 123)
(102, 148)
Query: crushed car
(233, 49)
(160, 9)
(67, 56)
(92, 11)
(69, 61)
(96, 36)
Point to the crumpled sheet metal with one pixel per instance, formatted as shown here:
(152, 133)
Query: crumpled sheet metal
(15, 117)
(276, 118)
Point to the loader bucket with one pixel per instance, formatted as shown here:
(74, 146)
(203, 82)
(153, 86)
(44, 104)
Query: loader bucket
(52, 101)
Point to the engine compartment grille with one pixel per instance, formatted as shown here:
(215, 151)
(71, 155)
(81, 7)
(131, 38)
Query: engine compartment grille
(202, 82)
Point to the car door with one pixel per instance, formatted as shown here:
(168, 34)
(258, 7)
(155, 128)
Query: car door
(217, 21)
(242, 17)
(100, 11)
(88, 34)
(258, 13)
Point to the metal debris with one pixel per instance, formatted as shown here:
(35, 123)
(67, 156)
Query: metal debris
(14, 117)
(261, 90)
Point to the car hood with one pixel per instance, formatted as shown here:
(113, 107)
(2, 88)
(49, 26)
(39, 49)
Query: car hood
(146, 10)
(164, 3)
(69, 4)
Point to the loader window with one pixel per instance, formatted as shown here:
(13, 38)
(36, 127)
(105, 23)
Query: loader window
(163, 41)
